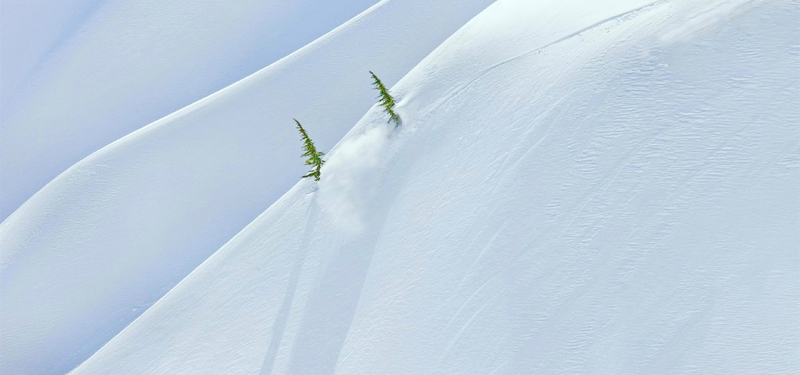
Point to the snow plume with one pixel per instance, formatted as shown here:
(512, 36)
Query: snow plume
(350, 178)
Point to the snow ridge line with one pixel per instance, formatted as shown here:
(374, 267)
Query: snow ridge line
(538, 49)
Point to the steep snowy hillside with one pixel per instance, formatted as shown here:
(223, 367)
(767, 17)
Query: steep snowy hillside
(576, 188)
(29, 29)
(78, 75)
(107, 238)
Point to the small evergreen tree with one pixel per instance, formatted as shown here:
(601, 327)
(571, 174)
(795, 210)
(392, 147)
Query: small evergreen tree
(310, 151)
(385, 100)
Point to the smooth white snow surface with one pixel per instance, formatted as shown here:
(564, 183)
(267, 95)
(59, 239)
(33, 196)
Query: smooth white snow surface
(104, 240)
(79, 74)
(577, 187)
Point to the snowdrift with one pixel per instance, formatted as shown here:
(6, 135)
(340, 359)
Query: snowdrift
(79, 74)
(104, 240)
(576, 188)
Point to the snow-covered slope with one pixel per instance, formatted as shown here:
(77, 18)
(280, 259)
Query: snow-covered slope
(29, 29)
(78, 75)
(577, 187)
(107, 238)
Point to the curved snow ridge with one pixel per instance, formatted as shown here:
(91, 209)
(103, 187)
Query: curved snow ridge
(112, 234)
(608, 204)
(85, 74)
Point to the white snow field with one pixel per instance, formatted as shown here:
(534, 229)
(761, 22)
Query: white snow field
(577, 187)
(79, 74)
(107, 238)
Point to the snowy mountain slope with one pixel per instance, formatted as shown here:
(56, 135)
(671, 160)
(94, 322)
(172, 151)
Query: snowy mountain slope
(29, 29)
(87, 79)
(621, 199)
(107, 238)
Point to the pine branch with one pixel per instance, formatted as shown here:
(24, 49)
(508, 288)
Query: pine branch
(313, 156)
(385, 100)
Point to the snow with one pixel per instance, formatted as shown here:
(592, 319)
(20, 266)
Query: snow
(42, 23)
(104, 240)
(577, 187)
(78, 74)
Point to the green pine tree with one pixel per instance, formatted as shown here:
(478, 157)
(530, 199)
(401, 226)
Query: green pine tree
(385, 100)
(310, 151)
